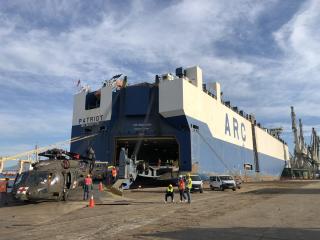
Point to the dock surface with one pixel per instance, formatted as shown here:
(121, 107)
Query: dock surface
(267, 210)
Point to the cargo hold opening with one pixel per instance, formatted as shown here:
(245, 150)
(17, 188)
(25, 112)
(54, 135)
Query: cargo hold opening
(151, 150)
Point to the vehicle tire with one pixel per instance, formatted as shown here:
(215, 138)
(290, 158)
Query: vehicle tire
(201, 190)
(221, 188)
(65, 196)
(59, 198)
(233, 189)
(212, 188)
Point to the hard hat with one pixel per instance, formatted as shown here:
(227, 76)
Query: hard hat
(180, 176)
(188, 174)
(170, 185)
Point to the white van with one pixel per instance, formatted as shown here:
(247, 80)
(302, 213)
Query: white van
(222, 182)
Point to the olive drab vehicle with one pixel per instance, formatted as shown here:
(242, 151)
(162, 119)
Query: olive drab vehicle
(54, 178)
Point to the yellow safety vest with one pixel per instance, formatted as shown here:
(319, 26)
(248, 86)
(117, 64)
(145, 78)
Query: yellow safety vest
(189, 183)
(170, 189)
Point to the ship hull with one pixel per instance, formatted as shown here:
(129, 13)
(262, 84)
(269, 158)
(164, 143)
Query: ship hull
(176, 123)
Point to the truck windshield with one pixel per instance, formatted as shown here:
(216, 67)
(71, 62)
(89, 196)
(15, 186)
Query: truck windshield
(195, 178)
(226, 178)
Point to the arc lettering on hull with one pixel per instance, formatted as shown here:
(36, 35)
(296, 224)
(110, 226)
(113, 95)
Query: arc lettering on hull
(200, 127)
(235, 127)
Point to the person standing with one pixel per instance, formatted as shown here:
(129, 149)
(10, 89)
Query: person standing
(181, 186)
(4, 191)
(87, 186)
(188, 187)
(114, 174)
(169, 193)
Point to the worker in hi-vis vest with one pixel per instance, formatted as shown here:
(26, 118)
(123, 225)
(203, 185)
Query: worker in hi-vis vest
(188, 187)
(87, 187)
(114, 174)
(182, 188)
(169, 193)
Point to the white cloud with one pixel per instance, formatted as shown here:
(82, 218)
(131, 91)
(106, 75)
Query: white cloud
(179, 34)
(145, 39)
(32, 122)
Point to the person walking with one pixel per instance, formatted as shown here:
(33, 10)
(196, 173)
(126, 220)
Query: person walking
(188, 187)
(181, 186)
(169, 193)
(87, 186)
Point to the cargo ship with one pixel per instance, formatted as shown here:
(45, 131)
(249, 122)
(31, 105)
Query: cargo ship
(173, 125)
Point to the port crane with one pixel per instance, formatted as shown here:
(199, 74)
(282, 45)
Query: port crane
(31, 156)
(305, 162)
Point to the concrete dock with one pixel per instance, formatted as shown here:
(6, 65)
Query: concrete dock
(266, 210)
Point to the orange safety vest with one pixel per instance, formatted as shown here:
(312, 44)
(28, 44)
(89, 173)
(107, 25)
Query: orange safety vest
(114, 172)
(88, 181)
(3, 186)
(181, 184)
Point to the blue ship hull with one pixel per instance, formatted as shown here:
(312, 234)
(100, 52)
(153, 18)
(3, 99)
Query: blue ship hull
(137, 125)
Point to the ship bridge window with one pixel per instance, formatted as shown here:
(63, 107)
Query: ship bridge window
(93, 100)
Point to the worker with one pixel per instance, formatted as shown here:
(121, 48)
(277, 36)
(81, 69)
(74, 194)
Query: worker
(114, 174)
(87, 187)
(181, 186)
(188, 187)
(169, 193)
(4, 191)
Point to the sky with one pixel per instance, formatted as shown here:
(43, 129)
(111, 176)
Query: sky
(265, 54)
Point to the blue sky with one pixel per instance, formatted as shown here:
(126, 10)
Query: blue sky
(265, 54)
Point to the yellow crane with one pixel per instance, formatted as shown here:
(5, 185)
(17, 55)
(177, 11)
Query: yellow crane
(32, 155)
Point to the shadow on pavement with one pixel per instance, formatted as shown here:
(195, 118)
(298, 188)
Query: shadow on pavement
(75, 195)
(238, 233)
(284, 191)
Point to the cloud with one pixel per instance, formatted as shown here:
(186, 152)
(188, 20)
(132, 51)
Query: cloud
(15, 124)
(264, 54)
(180, 33)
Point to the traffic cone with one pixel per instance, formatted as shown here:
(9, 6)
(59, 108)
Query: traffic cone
(91, 202)
(100, 187)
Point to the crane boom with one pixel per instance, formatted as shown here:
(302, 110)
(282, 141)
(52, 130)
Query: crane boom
(42, 149)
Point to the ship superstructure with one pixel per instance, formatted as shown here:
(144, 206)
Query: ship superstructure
(176, 124)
